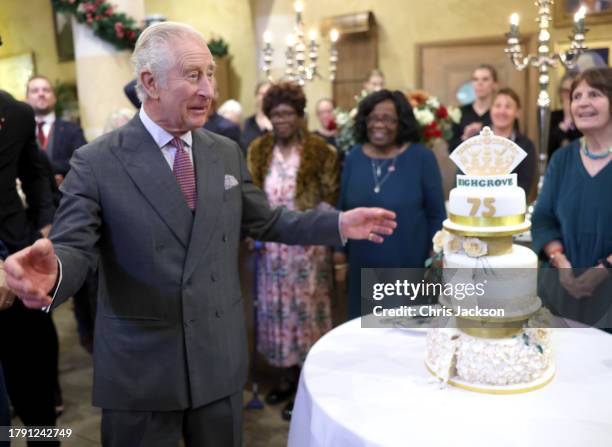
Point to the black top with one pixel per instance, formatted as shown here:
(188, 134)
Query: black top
(20, 158)
(328, 139)
(526, 170)
(557, 137)
(250, 132)
(468, 116)
(222, 126)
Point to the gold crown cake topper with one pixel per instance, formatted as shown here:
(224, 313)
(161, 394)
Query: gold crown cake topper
(488, 154)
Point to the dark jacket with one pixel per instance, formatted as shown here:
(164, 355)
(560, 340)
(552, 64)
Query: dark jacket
(20, 158)
(222, 126)
(5, 418)
(65, 138)
(130, 92)
(250, 131)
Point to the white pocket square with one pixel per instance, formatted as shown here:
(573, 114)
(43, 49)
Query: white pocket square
(230, 182)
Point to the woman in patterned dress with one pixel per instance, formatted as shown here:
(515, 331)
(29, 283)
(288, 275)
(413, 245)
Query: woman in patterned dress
(299, 171)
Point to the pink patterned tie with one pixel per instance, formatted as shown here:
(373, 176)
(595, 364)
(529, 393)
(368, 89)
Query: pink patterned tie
(183, 171)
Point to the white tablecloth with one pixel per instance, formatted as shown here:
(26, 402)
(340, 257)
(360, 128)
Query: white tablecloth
(369, 387)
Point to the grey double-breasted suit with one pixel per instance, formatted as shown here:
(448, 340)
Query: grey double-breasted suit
(170, 329)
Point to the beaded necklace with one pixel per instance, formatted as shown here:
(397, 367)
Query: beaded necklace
(593, 155)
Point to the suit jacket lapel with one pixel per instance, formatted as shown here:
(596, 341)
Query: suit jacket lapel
(210, 186)
(54, 139)
(146, 166)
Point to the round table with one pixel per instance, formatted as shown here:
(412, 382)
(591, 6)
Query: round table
(370, 387)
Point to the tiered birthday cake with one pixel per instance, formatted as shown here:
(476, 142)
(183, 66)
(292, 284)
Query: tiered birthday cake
(497, 344)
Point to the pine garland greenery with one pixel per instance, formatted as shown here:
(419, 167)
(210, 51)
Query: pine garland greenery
(218, 47)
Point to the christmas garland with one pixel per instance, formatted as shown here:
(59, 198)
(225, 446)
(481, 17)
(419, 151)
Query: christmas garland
(116, 27)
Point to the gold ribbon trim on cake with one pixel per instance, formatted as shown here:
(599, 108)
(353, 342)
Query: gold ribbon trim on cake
(474, 221)
(493, 389)
(491, 332)
(498, 246)
(490, 329)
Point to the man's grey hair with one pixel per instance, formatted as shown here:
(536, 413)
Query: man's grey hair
(154, 52)
(230, 106)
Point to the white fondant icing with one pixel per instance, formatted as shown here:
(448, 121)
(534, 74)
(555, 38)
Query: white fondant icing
(508, 201)
(509, 281)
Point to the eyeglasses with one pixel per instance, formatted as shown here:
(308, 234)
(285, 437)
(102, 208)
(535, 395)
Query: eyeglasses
(387, 120)
(284, 114)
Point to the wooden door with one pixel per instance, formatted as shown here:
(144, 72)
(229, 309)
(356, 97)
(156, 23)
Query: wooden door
(357, 54)
(443, 67)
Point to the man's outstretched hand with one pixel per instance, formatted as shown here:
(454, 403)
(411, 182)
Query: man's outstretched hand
(31, 273)
(368, 223)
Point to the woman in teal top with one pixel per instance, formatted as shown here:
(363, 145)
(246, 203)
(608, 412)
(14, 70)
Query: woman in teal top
(572, 222)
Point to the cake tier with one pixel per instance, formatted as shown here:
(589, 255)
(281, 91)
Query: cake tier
(508, 282)
(490, 204)
(468, 230)
(517, 364)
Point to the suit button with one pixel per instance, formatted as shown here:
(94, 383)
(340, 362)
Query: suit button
(224, 238)
(213, 278)
(218, 313)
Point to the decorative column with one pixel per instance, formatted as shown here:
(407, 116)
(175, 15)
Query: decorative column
(102, 71)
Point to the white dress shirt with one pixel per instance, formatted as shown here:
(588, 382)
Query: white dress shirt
(163, 139)
(49, 120)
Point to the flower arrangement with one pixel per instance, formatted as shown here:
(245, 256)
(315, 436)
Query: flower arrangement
(435, 119)
(446, 242)
(345, 122)
(114, 27)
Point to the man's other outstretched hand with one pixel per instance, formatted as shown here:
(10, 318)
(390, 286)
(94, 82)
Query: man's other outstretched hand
(367, 223)
(31, 273)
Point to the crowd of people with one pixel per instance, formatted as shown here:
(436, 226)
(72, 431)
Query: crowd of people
(151, 216)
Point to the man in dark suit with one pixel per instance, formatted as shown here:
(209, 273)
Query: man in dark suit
(27, 343)
(162, 204)
(219, 124)
(222, 126)
(130, 91)
(56, 137)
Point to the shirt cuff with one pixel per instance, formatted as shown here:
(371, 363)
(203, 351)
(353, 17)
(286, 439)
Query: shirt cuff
(46, 309)
(342, 238)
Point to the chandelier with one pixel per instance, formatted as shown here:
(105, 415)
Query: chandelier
(301, 56)
(543, 61)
